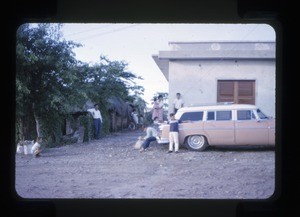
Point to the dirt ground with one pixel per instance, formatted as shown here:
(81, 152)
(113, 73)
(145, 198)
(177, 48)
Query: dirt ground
(112, 168)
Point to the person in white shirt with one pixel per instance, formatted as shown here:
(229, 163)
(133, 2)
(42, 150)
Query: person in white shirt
(36, 148)
(134, 120)
(178, 102)
(135, 117)
(95, 112)
(151, 134)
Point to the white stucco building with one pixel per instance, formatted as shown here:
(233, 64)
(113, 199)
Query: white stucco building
(221, 71)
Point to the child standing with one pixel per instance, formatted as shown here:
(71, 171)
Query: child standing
(173, 134)
(36, 148)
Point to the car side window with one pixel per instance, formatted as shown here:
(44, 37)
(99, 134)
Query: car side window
(192, 116)
(223, 115)
(245, 115)
(261, 114)
(210, 116)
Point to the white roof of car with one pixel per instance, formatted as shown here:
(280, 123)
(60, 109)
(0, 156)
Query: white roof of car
(218, 107)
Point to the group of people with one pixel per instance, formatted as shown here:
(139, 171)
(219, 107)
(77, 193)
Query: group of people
(157, 117)
(157, 110)
(152, 134)
(27, 146)
(157, 113)
(151, 131)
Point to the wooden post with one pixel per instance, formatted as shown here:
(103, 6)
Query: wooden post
(89, 128)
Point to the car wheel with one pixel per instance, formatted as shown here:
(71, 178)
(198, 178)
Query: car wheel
(196, 143)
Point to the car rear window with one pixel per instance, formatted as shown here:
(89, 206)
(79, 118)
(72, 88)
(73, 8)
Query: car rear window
(192, 116)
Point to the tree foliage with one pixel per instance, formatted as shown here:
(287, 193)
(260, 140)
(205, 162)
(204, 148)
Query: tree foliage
(45, 77)
(51, 83)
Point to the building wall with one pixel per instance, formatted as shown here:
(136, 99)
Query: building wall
(197, 80)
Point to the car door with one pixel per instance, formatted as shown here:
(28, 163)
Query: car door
(219, 127)
(191, 124)
(249, 129)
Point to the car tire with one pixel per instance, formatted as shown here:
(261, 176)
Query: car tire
(196, 143)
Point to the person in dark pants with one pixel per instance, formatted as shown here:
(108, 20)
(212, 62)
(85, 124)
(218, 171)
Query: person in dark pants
(152, 134)
(95, 112)
(174, 133)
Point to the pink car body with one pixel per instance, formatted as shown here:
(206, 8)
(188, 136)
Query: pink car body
(232, 124)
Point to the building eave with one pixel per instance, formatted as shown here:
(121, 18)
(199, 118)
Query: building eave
(223, 42)
(220, 54)
(163, 65)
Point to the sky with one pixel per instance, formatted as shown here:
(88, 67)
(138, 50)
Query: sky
(135, 43)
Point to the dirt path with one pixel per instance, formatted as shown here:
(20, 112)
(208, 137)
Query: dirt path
(111, 168)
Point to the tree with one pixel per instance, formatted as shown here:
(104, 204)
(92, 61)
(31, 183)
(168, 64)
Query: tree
(51, 84)
(109, 83)
(46, 76)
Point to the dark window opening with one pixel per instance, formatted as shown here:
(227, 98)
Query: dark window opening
(210, 116)
(192, 116)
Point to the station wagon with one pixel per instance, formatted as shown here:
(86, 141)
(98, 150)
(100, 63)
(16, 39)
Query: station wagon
(231, 124)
